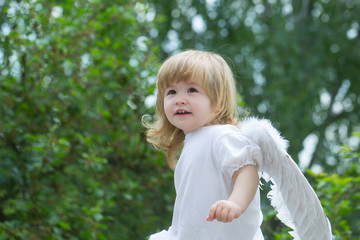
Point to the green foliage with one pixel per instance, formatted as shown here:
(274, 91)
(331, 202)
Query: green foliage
(341, 199)
(74, 161)
(341, 195)
(74, 77)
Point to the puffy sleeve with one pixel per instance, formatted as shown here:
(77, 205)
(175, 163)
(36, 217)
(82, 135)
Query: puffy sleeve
(233, 151)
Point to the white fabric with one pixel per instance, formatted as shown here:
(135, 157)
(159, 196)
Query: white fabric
(203, 175)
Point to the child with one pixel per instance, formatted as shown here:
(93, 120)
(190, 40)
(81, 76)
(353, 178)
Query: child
(216, 174)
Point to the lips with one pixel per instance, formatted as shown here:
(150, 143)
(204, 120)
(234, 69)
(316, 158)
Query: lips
(181, 112)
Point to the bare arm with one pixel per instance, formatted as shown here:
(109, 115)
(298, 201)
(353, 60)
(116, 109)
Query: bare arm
(246, 184)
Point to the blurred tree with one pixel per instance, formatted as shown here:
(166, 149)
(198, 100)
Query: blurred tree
(296, 63)
(74, 76)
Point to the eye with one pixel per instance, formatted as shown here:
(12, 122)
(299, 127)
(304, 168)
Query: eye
(171, 92)
(192, 90)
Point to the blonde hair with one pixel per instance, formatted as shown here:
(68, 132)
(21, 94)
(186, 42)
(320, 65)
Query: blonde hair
(213, 74)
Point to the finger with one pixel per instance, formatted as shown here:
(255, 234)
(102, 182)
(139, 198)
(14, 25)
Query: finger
(230, 216)
(224, 215)
(212, 212)
(218, 213)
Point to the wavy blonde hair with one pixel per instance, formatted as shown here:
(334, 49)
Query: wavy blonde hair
(213, 74)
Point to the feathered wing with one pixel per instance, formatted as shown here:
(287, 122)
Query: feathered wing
(292, 196)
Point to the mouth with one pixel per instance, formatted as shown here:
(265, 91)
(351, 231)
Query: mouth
(182, 112)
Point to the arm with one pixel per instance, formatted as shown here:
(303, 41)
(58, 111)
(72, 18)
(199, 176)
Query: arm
(246, 184)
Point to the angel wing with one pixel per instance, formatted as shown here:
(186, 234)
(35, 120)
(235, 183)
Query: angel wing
(292, 196)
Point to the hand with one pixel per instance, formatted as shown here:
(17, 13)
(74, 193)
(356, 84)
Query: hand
(224, 211)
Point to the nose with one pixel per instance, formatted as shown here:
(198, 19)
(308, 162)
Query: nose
(180, 100)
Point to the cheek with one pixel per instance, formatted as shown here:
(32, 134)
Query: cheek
(208, 104)
(205, 107)
(167, 108)
(210, 110)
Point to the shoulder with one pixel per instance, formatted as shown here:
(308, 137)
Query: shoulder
(214, 133)
(217, 130)
(221, 130)
(223, 134)
(220, 134)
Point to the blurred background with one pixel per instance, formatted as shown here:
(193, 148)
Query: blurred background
(77, 76)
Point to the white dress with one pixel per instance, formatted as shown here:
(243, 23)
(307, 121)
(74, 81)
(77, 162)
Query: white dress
(203, 175)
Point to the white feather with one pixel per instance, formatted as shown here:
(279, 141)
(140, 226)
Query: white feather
(292, 196)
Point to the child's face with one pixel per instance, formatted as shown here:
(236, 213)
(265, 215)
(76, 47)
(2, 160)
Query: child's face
(187, 106)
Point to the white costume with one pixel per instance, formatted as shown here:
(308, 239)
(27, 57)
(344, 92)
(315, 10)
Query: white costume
(203, 175)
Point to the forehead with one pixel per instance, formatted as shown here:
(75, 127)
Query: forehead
(177, 72)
